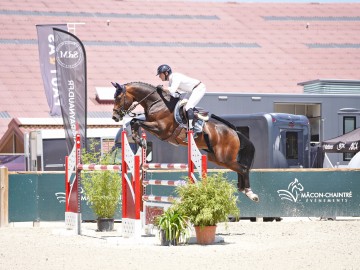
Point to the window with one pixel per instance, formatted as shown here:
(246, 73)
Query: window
(311, 110)
(291, 145)
(349, 124)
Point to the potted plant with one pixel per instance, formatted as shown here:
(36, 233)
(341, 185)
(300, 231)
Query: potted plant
(102, 188)
(206, 203)
(173, 227)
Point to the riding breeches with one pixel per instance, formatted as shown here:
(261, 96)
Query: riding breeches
(196, 96)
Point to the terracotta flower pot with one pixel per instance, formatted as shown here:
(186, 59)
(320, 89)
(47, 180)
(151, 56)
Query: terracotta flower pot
(205, 235)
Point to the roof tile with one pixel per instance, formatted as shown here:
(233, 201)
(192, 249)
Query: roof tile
(196, 38)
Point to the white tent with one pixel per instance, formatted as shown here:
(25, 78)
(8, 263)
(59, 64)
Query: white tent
(355, 161)
(327, 163)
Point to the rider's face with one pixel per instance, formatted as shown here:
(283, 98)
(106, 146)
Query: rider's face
(162, 76)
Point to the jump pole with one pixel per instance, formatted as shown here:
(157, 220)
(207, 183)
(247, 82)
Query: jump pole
(195, 160)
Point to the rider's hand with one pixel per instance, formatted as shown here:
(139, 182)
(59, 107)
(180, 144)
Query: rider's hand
(159, 88)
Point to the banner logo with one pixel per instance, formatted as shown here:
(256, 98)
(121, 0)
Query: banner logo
(69, 54)
(293, 191)
(296, 193)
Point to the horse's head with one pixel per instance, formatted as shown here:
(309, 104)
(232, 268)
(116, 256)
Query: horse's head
(130, 95)
(123, 101)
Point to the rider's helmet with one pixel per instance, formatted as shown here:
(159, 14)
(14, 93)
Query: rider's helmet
(164, 68)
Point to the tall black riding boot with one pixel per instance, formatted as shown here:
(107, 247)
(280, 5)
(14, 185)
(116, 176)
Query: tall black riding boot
(190, 116)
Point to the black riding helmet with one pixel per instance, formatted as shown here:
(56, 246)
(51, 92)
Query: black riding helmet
(163, 69)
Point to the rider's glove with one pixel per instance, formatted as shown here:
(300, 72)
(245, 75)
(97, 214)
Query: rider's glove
(159, 88)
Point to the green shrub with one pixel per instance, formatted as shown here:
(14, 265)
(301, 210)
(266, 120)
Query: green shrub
(174, 224)
(209, 201)
(102, 188)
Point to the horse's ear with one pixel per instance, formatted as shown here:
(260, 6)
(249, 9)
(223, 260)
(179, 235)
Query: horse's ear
(119, 89)
(116, 85)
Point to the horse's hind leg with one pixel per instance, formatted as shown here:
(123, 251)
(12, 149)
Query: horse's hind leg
(244, 186)
(243, 175)
(242, 183)
(245, 159)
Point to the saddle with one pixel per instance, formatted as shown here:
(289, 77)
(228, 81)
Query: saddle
(200, 115)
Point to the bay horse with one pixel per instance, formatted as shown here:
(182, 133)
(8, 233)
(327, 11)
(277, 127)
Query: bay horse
(224, 145)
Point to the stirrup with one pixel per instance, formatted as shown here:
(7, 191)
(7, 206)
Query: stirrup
(251, 195)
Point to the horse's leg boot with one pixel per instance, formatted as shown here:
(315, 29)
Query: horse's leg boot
(251, 195)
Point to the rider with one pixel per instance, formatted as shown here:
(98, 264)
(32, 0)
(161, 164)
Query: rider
(182, 84)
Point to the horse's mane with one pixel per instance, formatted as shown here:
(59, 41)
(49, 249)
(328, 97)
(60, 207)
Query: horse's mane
(148, 85)
(151, 87)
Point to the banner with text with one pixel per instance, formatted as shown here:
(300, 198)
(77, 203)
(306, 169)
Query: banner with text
(47, 65)
(71, 76)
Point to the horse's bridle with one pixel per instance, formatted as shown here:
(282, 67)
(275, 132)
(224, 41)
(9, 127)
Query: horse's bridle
(122, 112)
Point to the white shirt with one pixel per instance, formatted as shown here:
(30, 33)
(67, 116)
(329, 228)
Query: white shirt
(181, 83)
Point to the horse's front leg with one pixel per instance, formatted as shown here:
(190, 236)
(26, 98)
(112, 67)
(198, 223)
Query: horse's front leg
(135, 125)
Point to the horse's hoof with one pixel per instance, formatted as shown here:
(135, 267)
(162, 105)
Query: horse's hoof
(251, 195)
(254, 197)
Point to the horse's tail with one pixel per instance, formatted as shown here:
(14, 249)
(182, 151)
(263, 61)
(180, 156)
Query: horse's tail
(247, 151)
(223, 121)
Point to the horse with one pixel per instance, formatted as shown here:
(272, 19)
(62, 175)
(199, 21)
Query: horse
(225, 146)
